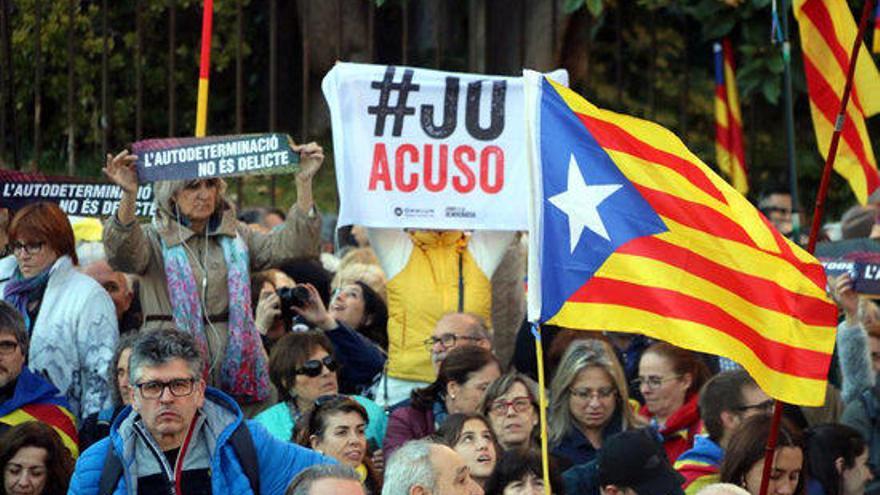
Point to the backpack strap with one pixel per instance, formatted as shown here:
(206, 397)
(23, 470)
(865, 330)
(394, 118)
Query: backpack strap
(111, 473)
(243, 444)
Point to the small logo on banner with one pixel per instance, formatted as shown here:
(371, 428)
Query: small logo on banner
(459, 212)
(414, 212)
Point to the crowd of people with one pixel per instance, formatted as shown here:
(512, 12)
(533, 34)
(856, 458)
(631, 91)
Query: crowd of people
(216, 351)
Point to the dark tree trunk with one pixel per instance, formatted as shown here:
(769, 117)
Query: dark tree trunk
(172, 46)
(588, 51)
(477, 35)
(618, 54)
(138, 70)
(652, 82)
(273, 80)
(10, 80)
(371, 32)
(404, 32)
(239, 90)
(38, 82)
(71, 88)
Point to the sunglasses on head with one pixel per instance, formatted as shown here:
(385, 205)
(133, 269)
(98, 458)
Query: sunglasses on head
(313, 367)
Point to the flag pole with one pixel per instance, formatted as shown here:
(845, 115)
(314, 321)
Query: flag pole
(838, 128)
(818, 212)
(542, 407)
(789, 123)
(204, 69)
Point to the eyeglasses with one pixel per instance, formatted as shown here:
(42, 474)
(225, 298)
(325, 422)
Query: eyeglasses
(586, 394)
(765, 406)
(179, 387)
(519, 404)
(448, 340)
(7, 347)
(653, 382)
(313, 367)
(28, 247)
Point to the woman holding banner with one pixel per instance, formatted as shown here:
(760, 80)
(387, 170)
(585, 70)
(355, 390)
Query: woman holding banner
(194, 261)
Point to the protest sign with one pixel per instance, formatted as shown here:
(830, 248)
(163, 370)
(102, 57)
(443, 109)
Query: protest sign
(74, 197)
(214, 156)
(428, 149)
(864, 272)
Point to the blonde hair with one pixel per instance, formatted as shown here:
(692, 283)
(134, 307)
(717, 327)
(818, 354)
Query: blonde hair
(371, 275)
(364, 255)
(580, 355)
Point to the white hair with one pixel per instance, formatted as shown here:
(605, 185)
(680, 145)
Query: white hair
(722, 489)
(409, 466)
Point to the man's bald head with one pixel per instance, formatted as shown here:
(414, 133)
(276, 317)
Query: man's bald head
(457, 329)
(113, 282)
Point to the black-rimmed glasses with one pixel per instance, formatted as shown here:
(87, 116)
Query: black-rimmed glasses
(8, 347)
(179, 387)
(28, 247)
(448, 340)
(653, 382)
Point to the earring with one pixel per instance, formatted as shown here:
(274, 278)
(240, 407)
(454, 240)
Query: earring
(452, 396)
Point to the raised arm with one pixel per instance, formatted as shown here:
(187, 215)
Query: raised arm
(300, 234)
(124, 241)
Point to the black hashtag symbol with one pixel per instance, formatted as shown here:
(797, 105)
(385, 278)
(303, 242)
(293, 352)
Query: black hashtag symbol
(382, 110)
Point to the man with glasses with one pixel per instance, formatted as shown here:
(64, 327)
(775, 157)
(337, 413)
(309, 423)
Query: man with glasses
(454, 330)
(24, 395)
(726, 400)
(182, 437)
(776, 205)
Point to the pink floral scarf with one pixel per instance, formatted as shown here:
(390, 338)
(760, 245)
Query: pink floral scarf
(244, 372)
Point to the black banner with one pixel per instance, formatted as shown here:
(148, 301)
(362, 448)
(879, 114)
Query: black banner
(214, 156)
(74, 197)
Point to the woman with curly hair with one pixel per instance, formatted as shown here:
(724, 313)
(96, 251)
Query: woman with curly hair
(34, 461)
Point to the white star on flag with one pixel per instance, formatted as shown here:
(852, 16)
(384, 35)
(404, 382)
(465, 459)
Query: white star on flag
(580, 203)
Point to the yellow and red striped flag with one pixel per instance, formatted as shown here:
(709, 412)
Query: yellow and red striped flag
(828, 32)
(729, 151)
(631, 232)
(877, 29)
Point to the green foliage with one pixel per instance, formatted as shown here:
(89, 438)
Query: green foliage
(661, 70)
(594, 7)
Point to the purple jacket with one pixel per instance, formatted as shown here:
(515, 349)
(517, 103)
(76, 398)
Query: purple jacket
(404, 424)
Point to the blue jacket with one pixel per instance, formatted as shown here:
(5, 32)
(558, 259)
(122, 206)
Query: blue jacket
(278, 462)
(576, 449)
(361, 359)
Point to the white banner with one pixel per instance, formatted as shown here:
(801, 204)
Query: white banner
(419, 148)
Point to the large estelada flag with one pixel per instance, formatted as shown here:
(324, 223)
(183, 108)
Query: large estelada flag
(828, 32)
(631, 232)
(729, 150)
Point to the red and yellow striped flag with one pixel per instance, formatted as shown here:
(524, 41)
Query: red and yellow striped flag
(728, 122)
(827, 34)
(631, 232)
(55, 415)
(204, 68)
(877, 30)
